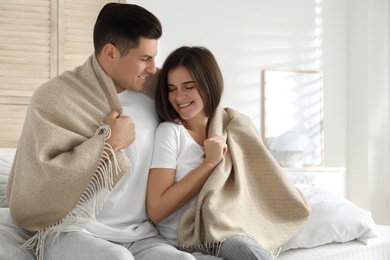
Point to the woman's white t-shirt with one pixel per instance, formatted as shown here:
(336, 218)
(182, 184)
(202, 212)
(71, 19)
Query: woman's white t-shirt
(174, 148)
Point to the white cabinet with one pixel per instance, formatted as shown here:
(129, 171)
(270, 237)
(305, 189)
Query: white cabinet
(331, 179)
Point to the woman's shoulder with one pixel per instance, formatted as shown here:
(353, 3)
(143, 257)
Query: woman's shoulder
(169, 127)
(169, 133)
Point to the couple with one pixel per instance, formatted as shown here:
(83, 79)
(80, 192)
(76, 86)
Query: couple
(90, 183)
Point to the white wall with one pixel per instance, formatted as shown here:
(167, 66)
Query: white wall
(248, 36)
(368, 111)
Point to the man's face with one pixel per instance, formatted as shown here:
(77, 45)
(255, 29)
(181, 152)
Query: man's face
(131, 71)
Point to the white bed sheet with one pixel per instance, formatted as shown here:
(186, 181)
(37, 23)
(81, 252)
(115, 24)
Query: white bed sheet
(326, 209)
(12, 236)
(377, 249)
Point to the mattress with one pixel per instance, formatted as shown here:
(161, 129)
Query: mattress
(376, 249)
(12, 236)
(336, 230)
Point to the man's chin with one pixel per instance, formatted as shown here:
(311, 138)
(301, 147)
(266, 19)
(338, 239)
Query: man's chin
(138, 87)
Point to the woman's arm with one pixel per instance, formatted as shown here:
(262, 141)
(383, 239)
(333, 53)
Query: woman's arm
(164, 196)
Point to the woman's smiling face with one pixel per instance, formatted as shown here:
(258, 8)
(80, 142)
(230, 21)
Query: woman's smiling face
(184, 95)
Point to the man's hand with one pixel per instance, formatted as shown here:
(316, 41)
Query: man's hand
(122, 131)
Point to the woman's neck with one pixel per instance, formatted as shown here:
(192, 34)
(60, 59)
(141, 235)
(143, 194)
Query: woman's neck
(197, 129)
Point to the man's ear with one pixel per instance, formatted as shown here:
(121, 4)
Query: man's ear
(108, 52)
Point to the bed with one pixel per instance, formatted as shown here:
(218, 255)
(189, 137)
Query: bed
(336, 230)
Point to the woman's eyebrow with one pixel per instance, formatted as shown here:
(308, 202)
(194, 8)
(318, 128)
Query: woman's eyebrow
(188, 82)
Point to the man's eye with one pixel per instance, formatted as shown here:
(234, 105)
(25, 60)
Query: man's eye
(145, 58)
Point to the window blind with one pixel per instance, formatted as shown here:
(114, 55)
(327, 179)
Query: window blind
(39, 39)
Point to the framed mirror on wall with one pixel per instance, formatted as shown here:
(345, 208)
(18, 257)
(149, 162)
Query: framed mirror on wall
(292, 116)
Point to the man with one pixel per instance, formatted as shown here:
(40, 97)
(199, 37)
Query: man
(80, 171)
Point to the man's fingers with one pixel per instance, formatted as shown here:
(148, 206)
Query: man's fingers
(113, 114)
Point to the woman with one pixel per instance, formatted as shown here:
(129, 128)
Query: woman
(188, 93)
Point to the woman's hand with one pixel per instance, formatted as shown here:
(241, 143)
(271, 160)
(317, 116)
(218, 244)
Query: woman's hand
(215, 149)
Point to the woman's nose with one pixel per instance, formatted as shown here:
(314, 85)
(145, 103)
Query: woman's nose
(180, 95)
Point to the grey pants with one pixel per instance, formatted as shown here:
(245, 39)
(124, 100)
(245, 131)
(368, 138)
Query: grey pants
(79, 245)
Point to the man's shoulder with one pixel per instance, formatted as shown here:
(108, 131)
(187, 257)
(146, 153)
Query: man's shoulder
(50, 90)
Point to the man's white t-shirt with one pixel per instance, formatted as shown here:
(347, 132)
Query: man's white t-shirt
(123, 217)
(174, 148)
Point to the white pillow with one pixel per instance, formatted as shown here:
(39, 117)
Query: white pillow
(333, 219)
(6, 160)
(7, 155)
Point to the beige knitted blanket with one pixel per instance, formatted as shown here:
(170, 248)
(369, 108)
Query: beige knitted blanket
(248, 193)
(61, 173)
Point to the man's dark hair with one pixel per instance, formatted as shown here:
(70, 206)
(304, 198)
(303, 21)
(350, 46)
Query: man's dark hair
(122, 25)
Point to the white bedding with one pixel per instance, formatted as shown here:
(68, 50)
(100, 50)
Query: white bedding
(377, 249)
(6, 159)
(11, 237)
(336, 230)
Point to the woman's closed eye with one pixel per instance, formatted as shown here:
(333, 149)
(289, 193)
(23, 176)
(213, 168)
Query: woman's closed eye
(171, 88)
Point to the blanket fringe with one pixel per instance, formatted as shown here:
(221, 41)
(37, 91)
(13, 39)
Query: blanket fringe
(90, 203)
(275, 253)
(213, 248)
(209, 248)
